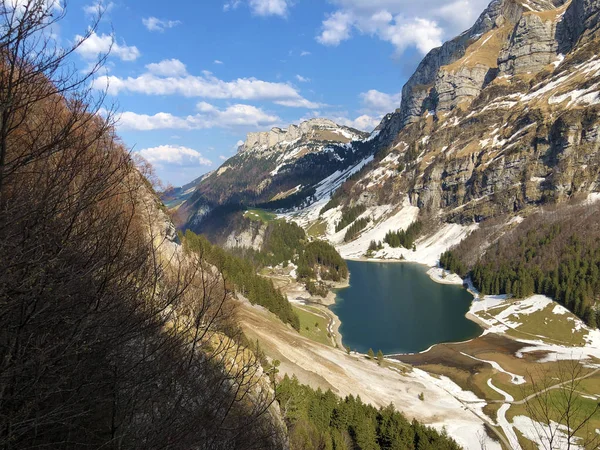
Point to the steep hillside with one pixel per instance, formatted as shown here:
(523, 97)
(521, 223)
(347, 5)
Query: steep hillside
(496, 122)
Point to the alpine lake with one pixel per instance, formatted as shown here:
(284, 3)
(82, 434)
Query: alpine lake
(397, 308)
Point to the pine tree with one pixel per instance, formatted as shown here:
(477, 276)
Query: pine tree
(379, 357)
(371, 353)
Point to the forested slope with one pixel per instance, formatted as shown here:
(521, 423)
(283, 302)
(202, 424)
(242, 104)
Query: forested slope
(555, 252)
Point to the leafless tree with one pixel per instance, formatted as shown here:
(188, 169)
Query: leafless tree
(107, 339)
(560, 415)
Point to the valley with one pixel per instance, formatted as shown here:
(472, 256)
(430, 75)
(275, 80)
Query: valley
(487, 176)
(423, 277)
(528, 348)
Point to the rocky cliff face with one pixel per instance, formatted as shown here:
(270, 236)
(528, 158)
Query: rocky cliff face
(533, 44)
(497, 122)
(313, 129)
(455, 73)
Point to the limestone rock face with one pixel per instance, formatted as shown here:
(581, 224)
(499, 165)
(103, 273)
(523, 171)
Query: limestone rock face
(533, 45)
(416, 91)
(581, 21)
(459, 87)
(268, 139)
(251, 237)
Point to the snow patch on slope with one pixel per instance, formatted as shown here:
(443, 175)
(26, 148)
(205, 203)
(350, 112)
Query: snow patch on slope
(429, 249)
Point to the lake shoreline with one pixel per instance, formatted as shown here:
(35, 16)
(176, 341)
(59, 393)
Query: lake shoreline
(440, 280)
(435, 274)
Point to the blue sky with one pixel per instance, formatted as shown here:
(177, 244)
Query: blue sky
(191, 78)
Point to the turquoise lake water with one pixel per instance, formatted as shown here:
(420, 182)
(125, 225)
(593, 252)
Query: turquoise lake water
(397, 308)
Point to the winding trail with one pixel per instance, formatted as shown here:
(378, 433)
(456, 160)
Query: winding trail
(515, 379)
(501, 417)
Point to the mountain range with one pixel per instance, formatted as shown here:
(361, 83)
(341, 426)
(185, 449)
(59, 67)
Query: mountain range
(494, 124)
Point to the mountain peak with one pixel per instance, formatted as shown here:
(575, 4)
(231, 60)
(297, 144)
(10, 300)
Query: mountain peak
(316, 129)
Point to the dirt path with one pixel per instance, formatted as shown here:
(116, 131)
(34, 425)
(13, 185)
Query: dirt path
(556, 386)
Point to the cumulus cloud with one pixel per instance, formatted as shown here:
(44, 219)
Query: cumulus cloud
(302, 79)
(170, 78)
(167, 68)
(269, 7)
(223, 157)
(174, 155)
(336, 28)
(403, 23)
(305, 53)
(380, 102)
(262, 7)
(208, 116)
(216, 61)
(160, 25)
(96, 45)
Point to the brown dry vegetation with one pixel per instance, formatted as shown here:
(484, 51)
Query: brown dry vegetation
(109, 337)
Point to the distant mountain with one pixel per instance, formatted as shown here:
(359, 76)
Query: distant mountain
(279, 168)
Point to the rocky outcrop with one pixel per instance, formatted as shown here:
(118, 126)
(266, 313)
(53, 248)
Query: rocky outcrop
(251, 237)
(459, 87)
(433, 86)
(533, 44)
(581, 21)
(417, 90)
(269, 139)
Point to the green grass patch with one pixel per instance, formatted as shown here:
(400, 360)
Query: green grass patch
(317, 229)
(260, 215)
(544, 325)
(557, 328)
(313, 325)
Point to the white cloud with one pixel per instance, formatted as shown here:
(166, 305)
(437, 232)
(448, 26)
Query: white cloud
(269, 7)
(298, 103)
(424, 34)
(216, 61)
(262, 7)
(380, 102)
(98, 7)
(156, 24)
(157, 82)
(232, 4)
(364, 122)
(208, 116)
(423, 24)
(305, 53)
(96, 45)
(175, 155)
(336, 28)
(167, 68)
(302, 79)
(223, 157)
